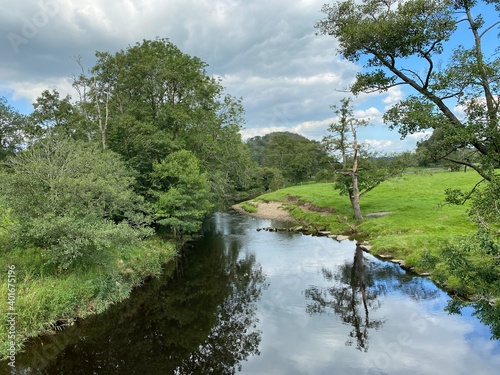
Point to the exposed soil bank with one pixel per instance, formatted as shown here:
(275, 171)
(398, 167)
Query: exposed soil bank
(267, 210)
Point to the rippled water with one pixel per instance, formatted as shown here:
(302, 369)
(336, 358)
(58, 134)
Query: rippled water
(273, 303)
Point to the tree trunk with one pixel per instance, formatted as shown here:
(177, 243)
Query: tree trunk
(355, 198)
(354, 176)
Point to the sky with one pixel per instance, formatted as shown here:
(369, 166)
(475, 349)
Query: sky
(266, 52)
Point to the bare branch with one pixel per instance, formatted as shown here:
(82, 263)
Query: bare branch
(470, 165)
(489, 28)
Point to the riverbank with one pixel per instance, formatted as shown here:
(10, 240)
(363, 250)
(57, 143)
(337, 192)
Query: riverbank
(406, 219)
(44, 299)
(266, 210)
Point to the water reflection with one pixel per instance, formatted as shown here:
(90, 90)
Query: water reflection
(202, 321)
(356, 291)
(486, 312)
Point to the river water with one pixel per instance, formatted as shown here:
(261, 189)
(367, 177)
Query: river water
(273, 303)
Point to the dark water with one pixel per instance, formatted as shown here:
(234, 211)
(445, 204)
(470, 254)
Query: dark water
(273, 303)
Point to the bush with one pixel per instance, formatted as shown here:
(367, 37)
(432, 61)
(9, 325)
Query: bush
(73, 200)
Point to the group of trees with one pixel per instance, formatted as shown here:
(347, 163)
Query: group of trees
(406, 43)
(289, 156)
(150, 141)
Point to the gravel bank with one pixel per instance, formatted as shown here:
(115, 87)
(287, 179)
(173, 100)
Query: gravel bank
(270, 210)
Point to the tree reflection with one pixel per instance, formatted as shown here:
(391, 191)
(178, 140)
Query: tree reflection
(355, 293)
(201, 321)
(487, 313)
(235, 337)
(352, 297)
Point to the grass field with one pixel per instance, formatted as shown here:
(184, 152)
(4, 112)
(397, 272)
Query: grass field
(418, 221)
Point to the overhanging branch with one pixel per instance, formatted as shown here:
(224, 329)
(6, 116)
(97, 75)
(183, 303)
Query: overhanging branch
(470, 165)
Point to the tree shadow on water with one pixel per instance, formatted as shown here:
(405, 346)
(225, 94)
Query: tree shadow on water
(355, 293)
(351, 297)
(200, 320)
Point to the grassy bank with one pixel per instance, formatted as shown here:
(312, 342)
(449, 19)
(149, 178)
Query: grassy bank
(47, 298)
(416, 224)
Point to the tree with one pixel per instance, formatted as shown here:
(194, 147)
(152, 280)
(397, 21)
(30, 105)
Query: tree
(71, 200)
(58, 116)
(401, 42)
(14, 130)
(297, 157)
(151, 99)
(360, 171)
(338, 141)
(180, 192)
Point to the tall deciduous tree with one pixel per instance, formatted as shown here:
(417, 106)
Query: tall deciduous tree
(402, 43)
(13, 130)
(151, 99)
(359, 171)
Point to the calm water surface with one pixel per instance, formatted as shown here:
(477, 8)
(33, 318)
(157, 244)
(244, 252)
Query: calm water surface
(273, 303)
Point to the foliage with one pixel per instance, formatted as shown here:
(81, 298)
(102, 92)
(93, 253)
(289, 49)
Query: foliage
(402, 42)
(58, 116)
(13, 129)
(71, 199)
(475, 262)
(151, 99)
(180, 192)
(272, 179)
(295, 156)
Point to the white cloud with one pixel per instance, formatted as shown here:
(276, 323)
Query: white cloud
(379, 144)
(371, 114)
(32, 90)
(420, 135)
(265, 52)
(393, 96)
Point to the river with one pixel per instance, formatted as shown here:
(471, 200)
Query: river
(273, 303)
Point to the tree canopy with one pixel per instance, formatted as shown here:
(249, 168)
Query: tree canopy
(295, 156)
(455, 93)
(151, 99)
(403, 43)
(72, 200)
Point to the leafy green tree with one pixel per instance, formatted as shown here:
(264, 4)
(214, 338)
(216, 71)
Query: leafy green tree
(151, 100)
(14, 130)
(56, 115)
(359, 170)
(181, 192)
(72, 200)
(297, 157)
(402, 43)
(272, 179)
